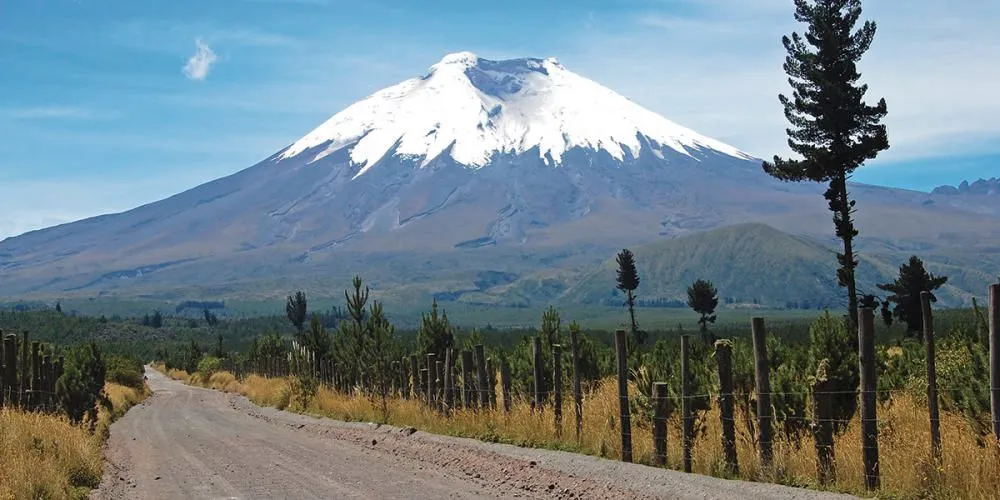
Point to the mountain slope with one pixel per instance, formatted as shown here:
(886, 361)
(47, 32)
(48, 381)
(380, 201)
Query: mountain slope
(479, 166)
(748, 263)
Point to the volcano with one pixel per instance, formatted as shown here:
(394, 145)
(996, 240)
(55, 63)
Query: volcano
(478, 173)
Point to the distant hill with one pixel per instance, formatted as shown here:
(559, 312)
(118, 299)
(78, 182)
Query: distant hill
(988, 187)
(749, 264)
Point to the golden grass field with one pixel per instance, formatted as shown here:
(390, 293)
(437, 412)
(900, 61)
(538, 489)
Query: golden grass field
(44, 456)
(969, 470)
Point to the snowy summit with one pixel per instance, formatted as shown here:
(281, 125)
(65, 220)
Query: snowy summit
(479, 108)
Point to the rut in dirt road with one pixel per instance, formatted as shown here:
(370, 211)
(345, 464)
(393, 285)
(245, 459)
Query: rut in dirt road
(187, 442)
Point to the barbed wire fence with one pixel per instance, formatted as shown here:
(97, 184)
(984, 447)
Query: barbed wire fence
(28, 375)
(472, 387)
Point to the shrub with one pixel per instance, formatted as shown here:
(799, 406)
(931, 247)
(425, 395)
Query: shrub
(830, 340)
(81, 385)
(124, 370)
(208, 366)
(303, 391)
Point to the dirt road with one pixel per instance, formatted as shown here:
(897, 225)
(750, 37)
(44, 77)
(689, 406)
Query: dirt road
(186, 442)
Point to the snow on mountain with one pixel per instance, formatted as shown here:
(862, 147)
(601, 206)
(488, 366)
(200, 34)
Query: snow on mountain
(491, 202)
(474, 108)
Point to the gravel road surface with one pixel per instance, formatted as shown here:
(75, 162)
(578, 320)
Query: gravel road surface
(186, 442)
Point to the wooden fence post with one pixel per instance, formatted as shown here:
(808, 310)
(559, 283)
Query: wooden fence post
(439, 385)
(539, 383)
(47, 384)
(404, 379)
(727, 403)
(456, 391)
(425, 391)
(3, 374)
(491, 383)
(415, 376)
(449, 394)
(467, 390)
(869, 422)
(763, 383)
(25, 381)
(484, 400)
(557, 386)
(823, 426)
(505, 384)
(659, 423)
(577, 393)
(60, 364)
(4, 361)
(932, 397)
(994, 311)
(686, 413)
(626, 420)
(431, 379)
(10, 367)
(394, 368)
(36, 375)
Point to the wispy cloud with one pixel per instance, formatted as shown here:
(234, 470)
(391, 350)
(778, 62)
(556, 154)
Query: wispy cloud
(201, 62)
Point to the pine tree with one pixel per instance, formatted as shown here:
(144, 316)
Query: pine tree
(295, 309)
(351, 338)
(627, 277)
(830, 340)
(58, 308)
(703, 299)
(435, 334)
(912, 280)
(210, 318)
(316, 339)
(157, 320)
(380, 350)
(81, 386)
(219, 353)
(551, 327)
(833, 129)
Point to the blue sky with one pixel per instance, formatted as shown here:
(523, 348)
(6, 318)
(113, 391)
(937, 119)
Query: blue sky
(109, 104)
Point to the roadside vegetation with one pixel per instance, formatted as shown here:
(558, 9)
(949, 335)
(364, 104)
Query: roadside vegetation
(967, 470)
(363, 347)
(54, 451)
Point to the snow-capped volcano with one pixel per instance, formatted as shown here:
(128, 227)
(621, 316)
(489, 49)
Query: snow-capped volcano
(472, 109)
(473, 176)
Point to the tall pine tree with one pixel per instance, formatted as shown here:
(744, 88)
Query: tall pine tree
(350, 341)
(435, 333)
(832, 128)
(295, 309)
(912, 280)
(703, 299)
(380, 350)
(627, 279)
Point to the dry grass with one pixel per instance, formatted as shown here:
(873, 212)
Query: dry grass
(969, 467)
(44, 456)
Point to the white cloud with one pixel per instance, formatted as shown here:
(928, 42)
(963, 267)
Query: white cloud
(201, 62)
(719, 71)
